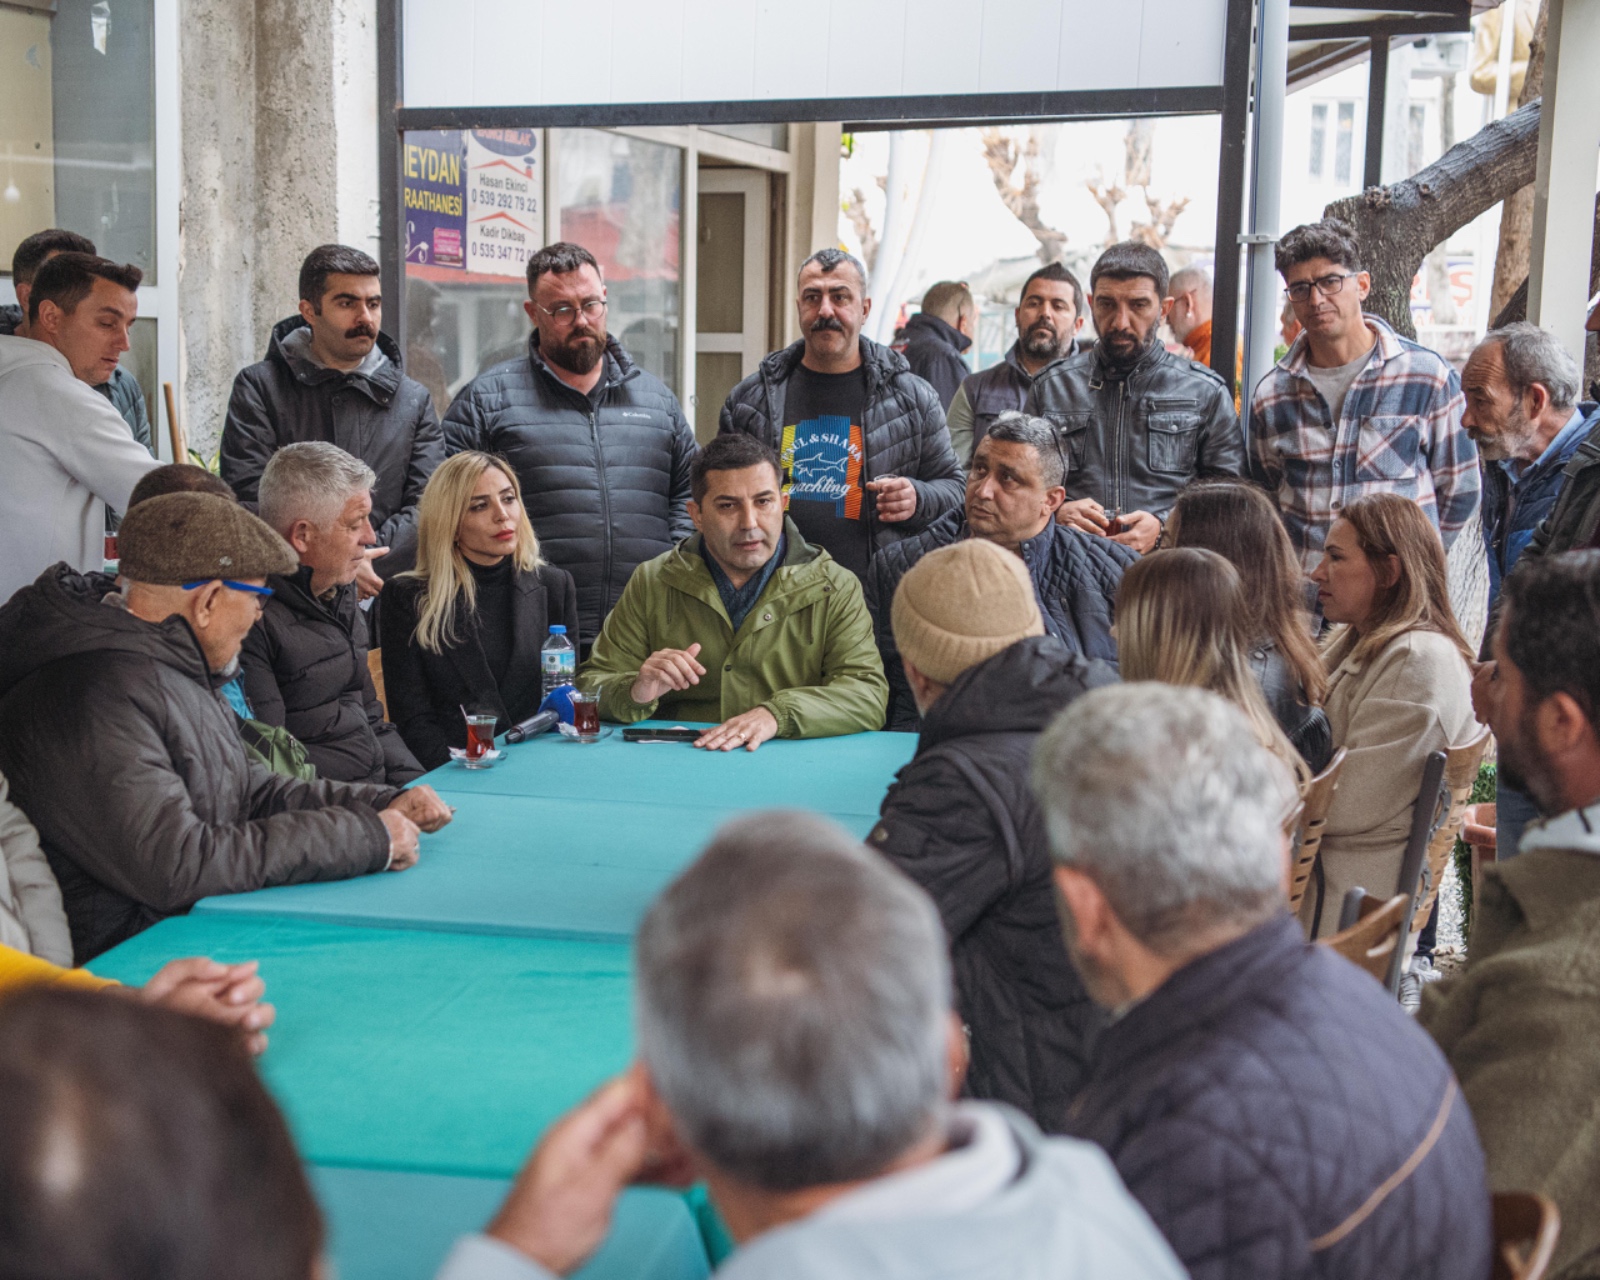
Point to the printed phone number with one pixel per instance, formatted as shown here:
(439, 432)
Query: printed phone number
(504, 200)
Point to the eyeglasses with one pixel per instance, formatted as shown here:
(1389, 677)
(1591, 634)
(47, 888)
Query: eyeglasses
(262, 592)
(1327, 286)
(592, 309)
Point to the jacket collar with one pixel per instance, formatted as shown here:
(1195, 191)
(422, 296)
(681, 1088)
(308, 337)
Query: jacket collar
(1387, 345)
(881, 363)
(379, 385)
(685, 568)
(939, 329)
(1103, 371)
(1556, 454)
(619, 368)
(1546, 897)
(295, 592)
(1201, 991)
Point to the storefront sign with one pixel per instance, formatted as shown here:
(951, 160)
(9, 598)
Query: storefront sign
(435, 199)
(505, 204)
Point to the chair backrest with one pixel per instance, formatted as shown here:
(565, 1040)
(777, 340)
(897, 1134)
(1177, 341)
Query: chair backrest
(1315, 803)
(375, 669)
(1526, 1229)
(1460, 772)
(1371, 941)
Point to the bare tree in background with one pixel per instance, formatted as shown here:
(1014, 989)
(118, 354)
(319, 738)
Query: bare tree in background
(855, 209)
(1004, 157)
(1137, 145)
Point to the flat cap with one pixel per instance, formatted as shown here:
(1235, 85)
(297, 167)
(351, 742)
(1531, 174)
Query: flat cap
(189, 537)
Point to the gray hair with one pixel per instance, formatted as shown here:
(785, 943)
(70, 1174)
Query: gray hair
(1534, 355)
(792, 1004)
(310, 481)
(1039, 434)
(1162, 797)
(830, 259)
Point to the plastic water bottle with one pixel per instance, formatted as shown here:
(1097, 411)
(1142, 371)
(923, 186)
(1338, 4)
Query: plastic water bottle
(558, 659)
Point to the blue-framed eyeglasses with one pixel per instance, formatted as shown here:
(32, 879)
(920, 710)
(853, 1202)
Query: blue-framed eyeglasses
(263, 592)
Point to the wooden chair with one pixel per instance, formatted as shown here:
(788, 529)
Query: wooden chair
(1460, 772)
(375, 670)
(1369, 931)
(1526, 1229)
(1315, 803)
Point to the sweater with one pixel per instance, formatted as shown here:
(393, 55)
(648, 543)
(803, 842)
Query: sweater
(68, 456)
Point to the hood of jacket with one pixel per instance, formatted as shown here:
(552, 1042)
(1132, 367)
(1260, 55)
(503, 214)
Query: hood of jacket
(1019, 690)
(64, 614)
(933, 329)
(380, 385)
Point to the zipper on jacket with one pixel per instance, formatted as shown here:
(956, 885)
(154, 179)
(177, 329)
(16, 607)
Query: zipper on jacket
(605, 508)
(1122, 462)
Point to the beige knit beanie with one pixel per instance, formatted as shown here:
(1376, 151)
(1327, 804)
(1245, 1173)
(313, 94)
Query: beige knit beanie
(962, 604)
(188, 537)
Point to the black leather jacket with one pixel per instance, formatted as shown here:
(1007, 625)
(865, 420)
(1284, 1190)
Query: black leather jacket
(1305, 726)
(1135, 439)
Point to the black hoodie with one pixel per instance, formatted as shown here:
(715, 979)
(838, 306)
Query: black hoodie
(961, 821)
(122, 751)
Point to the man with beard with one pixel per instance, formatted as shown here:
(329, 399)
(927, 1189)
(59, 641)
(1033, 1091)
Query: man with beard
(600, 447)
(1137, 422)
(1049, 316)
(1521, 389)
(1521, 1025)
(330, 375)
(1354, 408)
(866, 455)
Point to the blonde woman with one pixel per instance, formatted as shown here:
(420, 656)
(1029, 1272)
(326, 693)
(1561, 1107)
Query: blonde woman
(465, 627)
(1399, 687)
(1181, 619)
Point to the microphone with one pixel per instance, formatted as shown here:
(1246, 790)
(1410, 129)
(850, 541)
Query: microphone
(532, 727)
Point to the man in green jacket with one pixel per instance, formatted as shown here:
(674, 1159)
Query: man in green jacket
(745, 624)
(1521, 1027)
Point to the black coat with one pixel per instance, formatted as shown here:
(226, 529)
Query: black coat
(605, 478)
(1259, 1103)
(1305, 726)
(1075, 577)
(426, 691)
(305, 668)
(386, 420)
(123, 752)
(1135, 439)
(904, 429)
(933, 350)
(961, 821)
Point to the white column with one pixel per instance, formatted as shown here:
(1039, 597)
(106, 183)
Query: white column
(1564, 185)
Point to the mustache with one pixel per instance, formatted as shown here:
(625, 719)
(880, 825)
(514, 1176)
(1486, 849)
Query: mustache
(825, 323)
(361, 331)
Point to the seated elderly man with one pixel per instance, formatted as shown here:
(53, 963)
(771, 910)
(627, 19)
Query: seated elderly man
(1271, 1106)
(797, 1053)
(120, 750)
(1521, 1026)
(961, 822)
(745, 624)
(1014, 489)
(305, 661)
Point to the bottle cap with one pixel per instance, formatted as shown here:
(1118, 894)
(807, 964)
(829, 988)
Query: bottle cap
(558, 631)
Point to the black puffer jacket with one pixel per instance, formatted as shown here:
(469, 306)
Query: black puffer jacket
(1075, 576)
(1305, 726)
(305, 668)
(1135, 439)
(1280, 1115)
(933, 351)
(962, 822)
(125, 756)
(385, 419)
(904, 428)
(605, 477)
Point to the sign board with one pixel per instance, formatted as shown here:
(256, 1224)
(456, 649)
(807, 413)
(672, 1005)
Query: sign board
(473, 199)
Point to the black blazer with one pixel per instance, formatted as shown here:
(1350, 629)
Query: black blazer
(426, 691)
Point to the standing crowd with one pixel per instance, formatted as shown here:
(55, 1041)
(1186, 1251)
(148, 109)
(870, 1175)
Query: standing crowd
(1055, 1016)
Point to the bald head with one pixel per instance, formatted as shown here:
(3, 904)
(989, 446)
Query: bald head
(1190, 291)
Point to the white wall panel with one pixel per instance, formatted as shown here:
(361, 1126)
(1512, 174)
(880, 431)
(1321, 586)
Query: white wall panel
(540, 52)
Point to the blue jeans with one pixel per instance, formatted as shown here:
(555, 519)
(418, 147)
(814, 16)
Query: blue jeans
(1513, 811)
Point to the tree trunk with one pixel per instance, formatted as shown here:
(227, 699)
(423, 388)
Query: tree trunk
(1398, 224)
(1516, 307)
(1516, 218)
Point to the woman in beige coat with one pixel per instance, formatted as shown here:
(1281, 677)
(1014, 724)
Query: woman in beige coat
(1400, 688)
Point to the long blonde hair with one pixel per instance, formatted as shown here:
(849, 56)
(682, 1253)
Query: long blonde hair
(1182, 619)
(1385, 524)
(441, 568)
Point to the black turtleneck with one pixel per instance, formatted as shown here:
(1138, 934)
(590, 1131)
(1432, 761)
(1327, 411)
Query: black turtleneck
(495, 585)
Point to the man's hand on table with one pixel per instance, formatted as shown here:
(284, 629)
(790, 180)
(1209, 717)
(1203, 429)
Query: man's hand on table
(559, 1209)
(226, 993)
(423, 806)
(666, 670)
(403, 851)
(749, 731)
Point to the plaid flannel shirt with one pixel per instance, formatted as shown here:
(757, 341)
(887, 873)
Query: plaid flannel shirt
(1400, 432)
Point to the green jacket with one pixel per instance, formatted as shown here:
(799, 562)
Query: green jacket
(1521, 1028)
(805, 652)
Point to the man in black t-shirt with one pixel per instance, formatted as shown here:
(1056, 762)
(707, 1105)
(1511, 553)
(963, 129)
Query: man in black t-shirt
(866, 454)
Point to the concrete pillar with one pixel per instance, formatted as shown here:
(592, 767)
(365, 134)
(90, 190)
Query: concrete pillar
(1564, 184)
